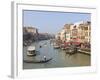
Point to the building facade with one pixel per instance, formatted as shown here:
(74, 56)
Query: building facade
(32, 30)
(78, 32)
(30, 33)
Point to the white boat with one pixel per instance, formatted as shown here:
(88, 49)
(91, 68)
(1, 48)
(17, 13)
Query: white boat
(52, 44)
(31, 51)
(56, 46)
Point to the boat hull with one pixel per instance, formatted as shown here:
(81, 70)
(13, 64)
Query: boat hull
(40, 61)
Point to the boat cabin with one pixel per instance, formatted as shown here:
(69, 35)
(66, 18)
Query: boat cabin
(31, 51)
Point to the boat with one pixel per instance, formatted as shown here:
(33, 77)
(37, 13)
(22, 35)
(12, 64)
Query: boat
(63, 47)
(71, 50)
(31, 51)
(45, 43)
(84, 51)
(40, 46)
(56, 46)
(37, 61)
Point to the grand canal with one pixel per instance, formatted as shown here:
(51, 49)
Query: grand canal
(59, 57)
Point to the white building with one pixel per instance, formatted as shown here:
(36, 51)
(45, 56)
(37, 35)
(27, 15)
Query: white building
(78, 32)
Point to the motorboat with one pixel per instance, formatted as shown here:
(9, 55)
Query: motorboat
(31, 51)
(71, 50)
(56, 46)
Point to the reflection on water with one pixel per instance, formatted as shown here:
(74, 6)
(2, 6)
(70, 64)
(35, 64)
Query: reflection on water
(60, 58)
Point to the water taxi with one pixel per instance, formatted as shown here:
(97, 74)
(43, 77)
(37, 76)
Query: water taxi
(31, 51)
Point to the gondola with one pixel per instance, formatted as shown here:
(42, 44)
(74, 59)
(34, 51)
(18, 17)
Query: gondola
(38, 61)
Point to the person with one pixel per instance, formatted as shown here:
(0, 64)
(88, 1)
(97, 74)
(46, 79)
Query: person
(45, 58)
(40, 46)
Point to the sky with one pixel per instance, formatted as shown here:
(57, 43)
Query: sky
(52, 22)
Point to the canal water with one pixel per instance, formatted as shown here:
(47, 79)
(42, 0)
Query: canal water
(59, 57)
